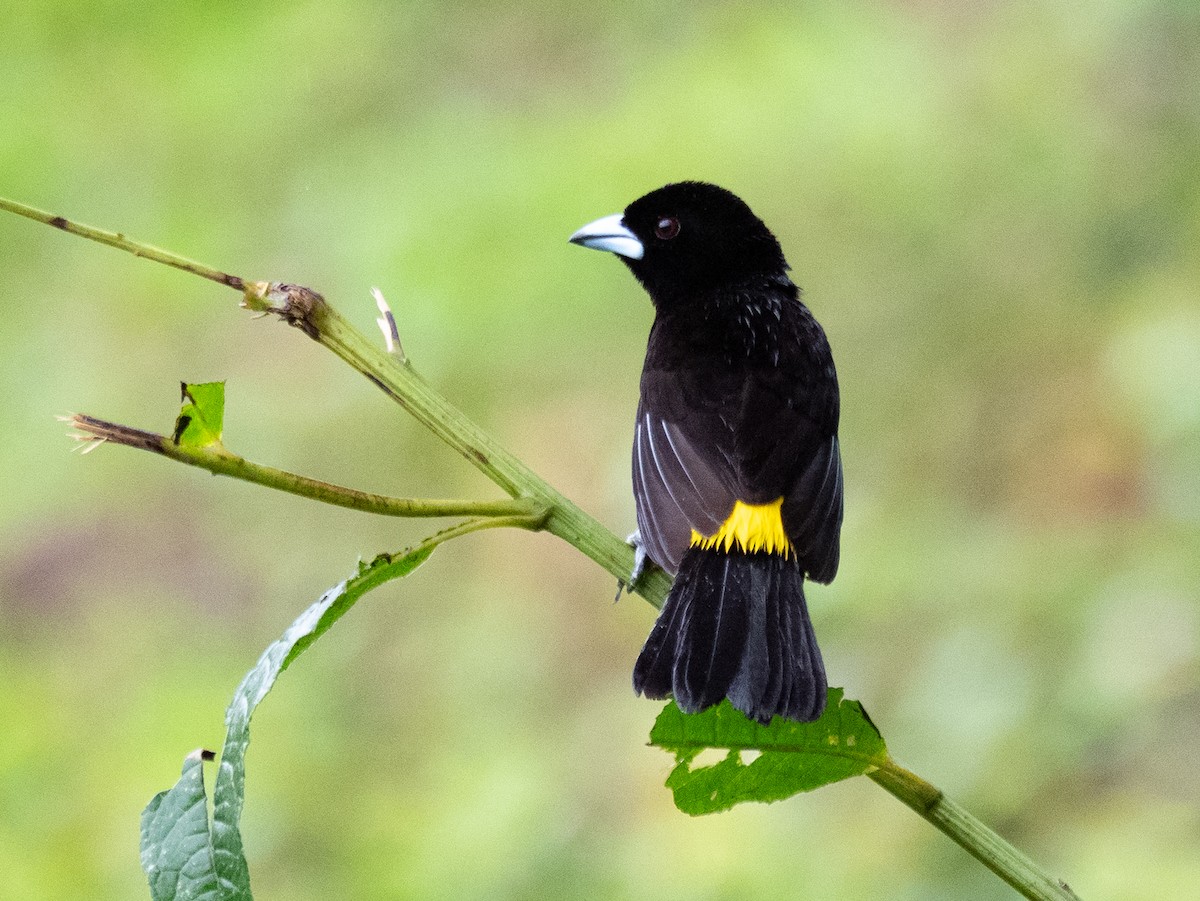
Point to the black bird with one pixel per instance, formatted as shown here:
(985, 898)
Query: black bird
(737, 475)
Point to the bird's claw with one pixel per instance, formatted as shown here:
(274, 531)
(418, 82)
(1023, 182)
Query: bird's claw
(640, 558)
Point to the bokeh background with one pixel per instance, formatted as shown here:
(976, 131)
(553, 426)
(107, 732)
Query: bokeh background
(994, 209)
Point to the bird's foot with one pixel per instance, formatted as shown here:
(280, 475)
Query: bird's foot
(640, 558)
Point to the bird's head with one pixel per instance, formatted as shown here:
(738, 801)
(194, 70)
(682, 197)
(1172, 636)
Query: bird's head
(689, 239)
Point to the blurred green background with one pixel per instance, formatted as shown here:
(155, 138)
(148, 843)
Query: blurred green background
(994, 209)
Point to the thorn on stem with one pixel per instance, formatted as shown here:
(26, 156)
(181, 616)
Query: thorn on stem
(387, 325)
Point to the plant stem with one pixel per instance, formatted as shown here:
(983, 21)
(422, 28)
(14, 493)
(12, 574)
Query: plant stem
(397, 378)
(980, 842)
(116, 239)
(218, 460)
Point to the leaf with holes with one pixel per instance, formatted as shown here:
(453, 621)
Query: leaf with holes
(792, 757)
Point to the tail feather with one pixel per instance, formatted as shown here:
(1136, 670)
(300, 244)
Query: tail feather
(763, 680)
(807, 696)
(735, 625)
(712, 638)
(654, 673)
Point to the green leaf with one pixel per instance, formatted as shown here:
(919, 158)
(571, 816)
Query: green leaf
(202, 416)
(795, 757)
(183, 855)
(176, 851)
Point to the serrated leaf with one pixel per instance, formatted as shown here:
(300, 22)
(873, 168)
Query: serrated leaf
(795, 757)
(183, 855)
(202, 416)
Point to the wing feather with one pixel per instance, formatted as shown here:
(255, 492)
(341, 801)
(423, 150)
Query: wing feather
(654, 502)
(812, 512)
(676, 490)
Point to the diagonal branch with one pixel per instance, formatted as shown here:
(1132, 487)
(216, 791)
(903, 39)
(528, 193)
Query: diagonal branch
(985, 845)
(119, 241)
(396, 377)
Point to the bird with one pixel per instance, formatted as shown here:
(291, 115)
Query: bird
(737, 470)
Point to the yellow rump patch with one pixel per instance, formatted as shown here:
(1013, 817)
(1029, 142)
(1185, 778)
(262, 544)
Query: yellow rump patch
(751, 527)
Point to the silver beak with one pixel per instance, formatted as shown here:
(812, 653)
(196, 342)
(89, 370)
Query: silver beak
(609, 234)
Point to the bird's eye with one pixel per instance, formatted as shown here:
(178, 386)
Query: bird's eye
(666, 228)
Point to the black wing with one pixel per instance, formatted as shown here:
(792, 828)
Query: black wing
(676, 489)
(812, 512)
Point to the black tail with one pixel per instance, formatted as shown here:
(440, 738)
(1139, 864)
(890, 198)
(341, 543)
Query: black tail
(735, 625)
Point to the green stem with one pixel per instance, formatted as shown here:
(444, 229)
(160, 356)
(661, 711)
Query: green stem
(397, 378)
(979, 841)
(219, 461)
(532, 521)
(116, 239)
